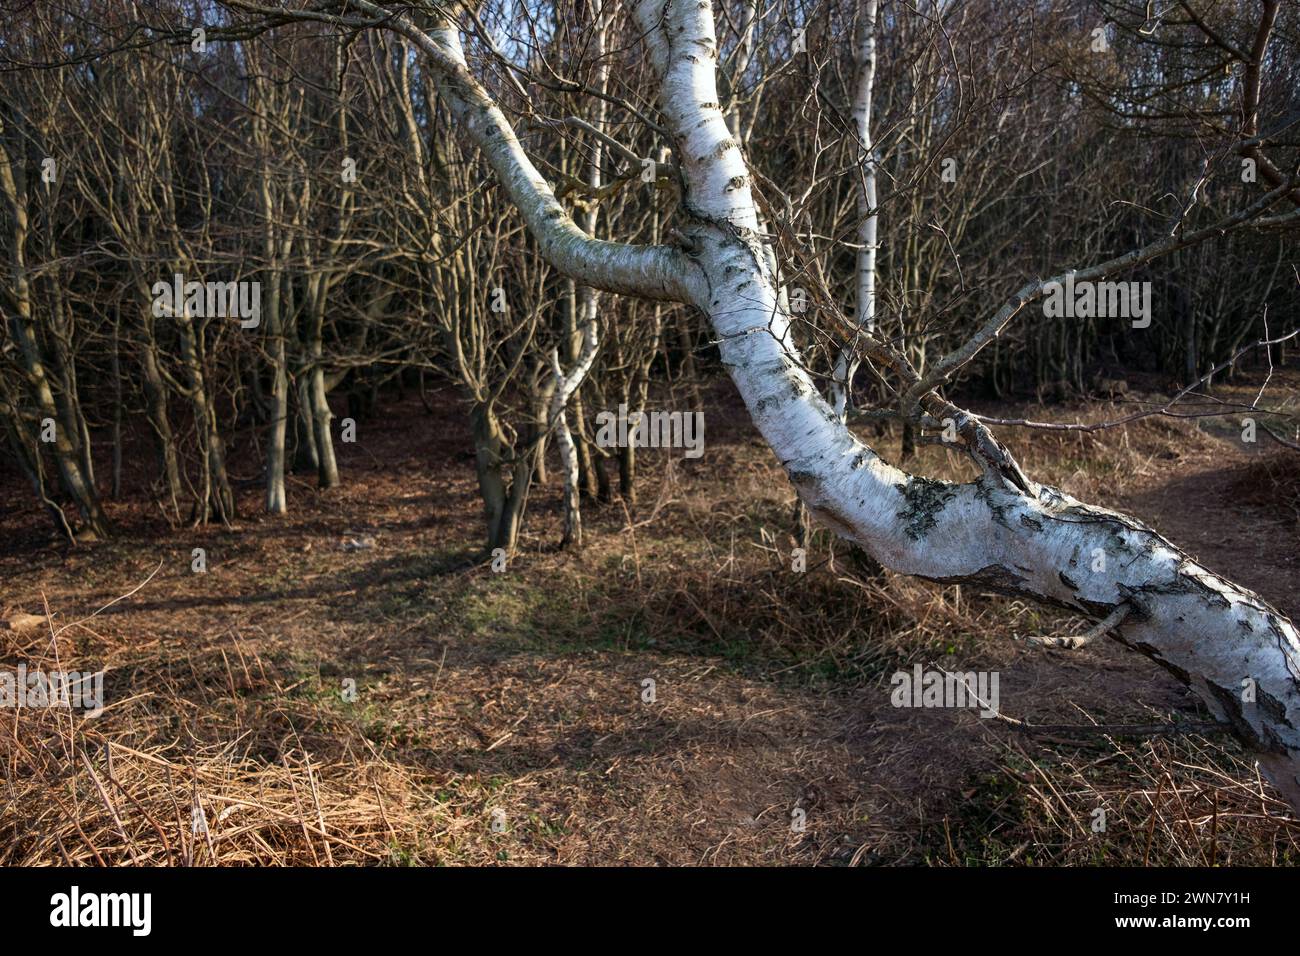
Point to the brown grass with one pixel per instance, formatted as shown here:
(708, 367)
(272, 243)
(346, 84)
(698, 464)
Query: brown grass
(499, 717)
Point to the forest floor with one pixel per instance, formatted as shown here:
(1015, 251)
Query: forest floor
(504, 716)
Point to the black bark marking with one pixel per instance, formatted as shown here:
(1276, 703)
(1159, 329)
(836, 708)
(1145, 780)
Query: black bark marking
(925, 498)
(994, 577)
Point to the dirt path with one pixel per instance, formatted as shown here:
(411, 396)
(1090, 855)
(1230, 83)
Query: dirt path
(1216, 505)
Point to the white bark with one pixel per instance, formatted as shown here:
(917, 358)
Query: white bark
(565, 387)
(654, 272)
(846, 364)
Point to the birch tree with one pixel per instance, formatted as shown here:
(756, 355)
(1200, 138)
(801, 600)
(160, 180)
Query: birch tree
(1002, 531)
(846, 363)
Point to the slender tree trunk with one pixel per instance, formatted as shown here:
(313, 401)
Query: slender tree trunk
(327, 469)
(276, 500)
(29, 461)
(581, 357)
(322, 421)
(216, 500)
(117, 403)
(846, 363)
(489, 447)
(155, 396)
(305, 454)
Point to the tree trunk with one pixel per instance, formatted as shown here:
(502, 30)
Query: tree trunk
(276, 500)
(846, 363)
(155, 397)
(305, 457)
(322, 420)
(216, 500)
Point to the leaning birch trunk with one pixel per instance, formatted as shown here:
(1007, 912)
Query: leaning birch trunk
(1001, 531)
(1213, 635)
(846, 364)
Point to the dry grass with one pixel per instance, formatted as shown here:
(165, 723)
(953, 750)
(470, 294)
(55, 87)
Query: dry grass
(180, 775)
(499, 717)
